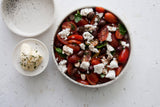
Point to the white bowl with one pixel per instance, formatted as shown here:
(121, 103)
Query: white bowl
(35, 44)
(103, 84)
(27, 18)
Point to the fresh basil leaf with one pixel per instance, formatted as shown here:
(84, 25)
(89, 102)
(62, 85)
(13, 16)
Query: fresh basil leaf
(122, 29)
(72, 27)
(77, 17)
(58, 50)
(63, 55)
(101, 45)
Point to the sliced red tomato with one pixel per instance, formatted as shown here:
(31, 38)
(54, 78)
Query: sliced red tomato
(70, 25)
(118, 70)
(123, 56)
(83, 82)
(95, 61)
(62, 40)
(118, 35)
(102, 36)
(73, 58)
(75, 48)
(75, 37)
(100, 9)
(82, 22)
(109, 17)
(92, 78)
(114, 42)
(70, 69)
(74, 41)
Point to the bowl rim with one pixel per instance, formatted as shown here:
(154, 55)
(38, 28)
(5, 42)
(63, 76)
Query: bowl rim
(20, 32)
(46, 62)
(130, 55)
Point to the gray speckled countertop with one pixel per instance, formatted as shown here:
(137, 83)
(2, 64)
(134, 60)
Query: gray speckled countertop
(138, 87)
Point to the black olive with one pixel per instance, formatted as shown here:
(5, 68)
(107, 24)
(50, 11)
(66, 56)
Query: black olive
(90, 15)
(102, 23)
(82, 70)
(80, 53)
(58, 44)
(103, 50)
(81, 29)
(119, 48)
(94, 33)
(91, 68)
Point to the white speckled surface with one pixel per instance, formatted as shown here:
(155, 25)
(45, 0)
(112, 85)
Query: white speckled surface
(138, 87)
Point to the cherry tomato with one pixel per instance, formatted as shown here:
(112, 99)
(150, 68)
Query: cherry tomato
(73, 58)
(114, 42)
(70, 69)
(123, 56)
(118, 35)
(95, 61)
(75, 37)
(110, 18)
(92, 78)
(75, 47)
(102, 36)
(74, 41)
(70, 25)
(118, 70)
(83, 82)
(100, 9)
(82, 22)
(62, 40)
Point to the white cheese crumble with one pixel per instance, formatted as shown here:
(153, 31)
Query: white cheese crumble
(113, 63)
(67, 50)
(62, 66)
(86, 11)
(82, 45)
(99, 14)
(109, 38)
(64, 33)
(110, 56)
(98, 68)
(104, 60)
(124, 44)
(77, 64)
(87, 36)
(112, 29)
(89, 27)
(111, 74)
(110, 48)
(93, 49)
(83, 76)
(85, 65)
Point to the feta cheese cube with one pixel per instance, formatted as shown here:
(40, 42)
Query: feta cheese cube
(99, 14)
(111, 74)
(93, 49)
(104, 60)
(64, 33)
(86, 11)
(124, 44)
(63, 62)
(88, 36)
(112, 28)
(77, 64)
(110, 48)
(85, 65)
(113, 63)
(62, 66)
(109, 38)
(82, 45)
(67, 50)
(83, 76)
(98, 68)
(89, 27)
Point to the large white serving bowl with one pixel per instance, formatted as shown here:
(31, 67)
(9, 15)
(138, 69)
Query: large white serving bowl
(28, 18)
(126, 68)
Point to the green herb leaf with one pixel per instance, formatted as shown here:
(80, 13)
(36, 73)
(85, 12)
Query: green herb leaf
(102, 75)
(77, 17)
(73, 27)
(113, 52)
(58, 50)
(101, 45)
(122, 29)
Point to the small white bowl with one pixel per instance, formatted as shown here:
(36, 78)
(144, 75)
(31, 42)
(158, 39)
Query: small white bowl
(37, 45)
(124, 69)
(28, 18)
